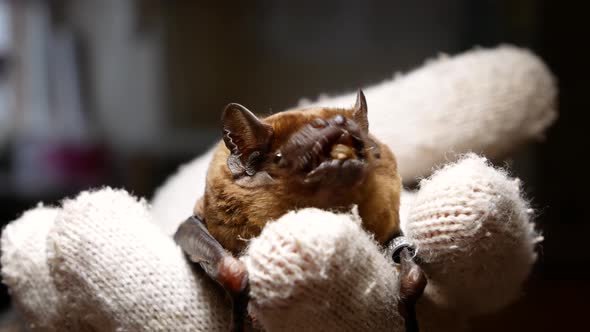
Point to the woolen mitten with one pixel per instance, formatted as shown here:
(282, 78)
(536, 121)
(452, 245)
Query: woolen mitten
(314, 270)
(474, 236)
(118, 272)
(311, 270)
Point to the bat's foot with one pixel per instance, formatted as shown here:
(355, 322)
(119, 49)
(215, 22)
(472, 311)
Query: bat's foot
(219, 264)
(233, 276)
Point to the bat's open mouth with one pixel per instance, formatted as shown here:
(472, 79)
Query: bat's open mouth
(343, 164)
(327, 151)
(337, 155)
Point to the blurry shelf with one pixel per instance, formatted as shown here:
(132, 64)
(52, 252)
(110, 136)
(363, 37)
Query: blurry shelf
(177, 143)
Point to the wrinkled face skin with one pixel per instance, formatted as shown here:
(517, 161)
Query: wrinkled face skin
(326, 153)
(318, 157)
(330, 151)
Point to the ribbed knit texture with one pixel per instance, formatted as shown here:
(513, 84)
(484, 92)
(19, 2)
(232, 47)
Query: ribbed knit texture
(474, 236)
(118, 271)
(313, 270)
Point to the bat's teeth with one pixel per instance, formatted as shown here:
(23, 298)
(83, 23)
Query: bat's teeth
(342, 152)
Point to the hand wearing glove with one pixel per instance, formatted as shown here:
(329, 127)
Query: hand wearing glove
(106, 261)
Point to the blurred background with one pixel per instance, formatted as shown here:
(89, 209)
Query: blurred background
(121, 92)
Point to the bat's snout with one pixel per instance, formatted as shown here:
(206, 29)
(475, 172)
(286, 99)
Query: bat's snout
(329, 151)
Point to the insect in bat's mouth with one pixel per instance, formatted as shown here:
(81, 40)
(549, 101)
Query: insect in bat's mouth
(341, 161)
(329, 152)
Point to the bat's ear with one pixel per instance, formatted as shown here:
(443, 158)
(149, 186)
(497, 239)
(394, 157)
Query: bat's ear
(360, 111)
(246, 136)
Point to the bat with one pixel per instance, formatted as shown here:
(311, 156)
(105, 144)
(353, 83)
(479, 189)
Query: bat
(263, 168)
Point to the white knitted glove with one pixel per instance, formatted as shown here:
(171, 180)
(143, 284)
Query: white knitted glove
(99, 264)
(102, 265)
(110, 268)
(313, 270)
(474, 237)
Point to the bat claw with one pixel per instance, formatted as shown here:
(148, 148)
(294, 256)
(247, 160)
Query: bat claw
(412, 281)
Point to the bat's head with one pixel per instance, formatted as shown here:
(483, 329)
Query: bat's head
(304, 149)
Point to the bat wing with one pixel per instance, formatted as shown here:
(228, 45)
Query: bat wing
(199, 245)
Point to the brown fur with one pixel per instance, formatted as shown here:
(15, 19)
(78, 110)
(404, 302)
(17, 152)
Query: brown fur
(233, 213)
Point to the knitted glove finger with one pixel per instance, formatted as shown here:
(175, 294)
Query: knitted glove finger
(485, 100)
(119, 272)
(314, 270)
(174, 200)
(25, 270)
(474, 236)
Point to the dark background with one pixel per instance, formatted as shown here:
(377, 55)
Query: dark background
(147, 80)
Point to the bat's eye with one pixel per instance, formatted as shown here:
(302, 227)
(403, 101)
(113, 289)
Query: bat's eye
(278, 157)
